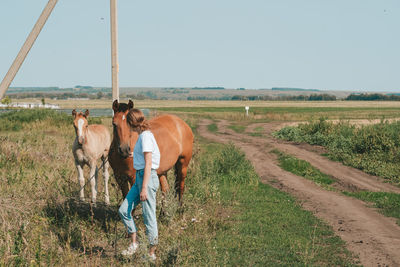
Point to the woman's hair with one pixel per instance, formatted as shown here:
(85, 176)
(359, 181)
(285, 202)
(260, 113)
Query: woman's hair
(136, 119)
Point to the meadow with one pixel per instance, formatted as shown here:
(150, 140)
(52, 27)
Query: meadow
(374, 148)
(260, 111)
(228, 218)
(386, 202)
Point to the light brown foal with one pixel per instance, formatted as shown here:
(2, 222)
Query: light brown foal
(91, 143)
(175, 141)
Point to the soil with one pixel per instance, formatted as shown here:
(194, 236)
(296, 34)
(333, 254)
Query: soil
(374, 238)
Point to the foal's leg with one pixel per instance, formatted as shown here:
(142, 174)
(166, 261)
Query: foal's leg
(81, 180)
(93, 180)
(106, 177)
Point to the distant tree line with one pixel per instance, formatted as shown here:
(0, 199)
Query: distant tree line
(66, 95)
(83, 87)
(292, 89)
(138, 96)
(373, 97)
(201, 97)
(154, 95)
(312, 97)
(208, 88)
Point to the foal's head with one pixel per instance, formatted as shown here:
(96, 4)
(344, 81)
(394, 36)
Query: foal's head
(80, 125)
(123, 135)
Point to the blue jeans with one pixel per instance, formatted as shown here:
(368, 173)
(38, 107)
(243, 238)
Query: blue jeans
(148, 206)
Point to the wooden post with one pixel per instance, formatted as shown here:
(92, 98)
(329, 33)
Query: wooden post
(23, 52)
(114, 50)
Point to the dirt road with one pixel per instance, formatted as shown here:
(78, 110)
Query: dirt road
(368, 234)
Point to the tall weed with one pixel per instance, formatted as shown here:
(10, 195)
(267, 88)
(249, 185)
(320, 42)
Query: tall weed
(374, 148)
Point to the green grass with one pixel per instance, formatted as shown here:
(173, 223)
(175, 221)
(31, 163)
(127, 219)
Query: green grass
(278, 109)
(374, 149)
(264, 226)
(212, 128)
(258, 129)
(288, 113)
(16, 119)
(304, 169)
(228, 216)
(237, 128)
(387, 203)
(257, 132)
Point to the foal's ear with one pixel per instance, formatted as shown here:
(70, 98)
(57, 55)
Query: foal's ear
(74, 113)
(115, 105)
(130, 104)
(86, 113)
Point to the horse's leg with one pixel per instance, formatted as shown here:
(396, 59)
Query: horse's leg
(164, 182)
(131, 180)
(81, 180)
(106, 176)
(120, 178)
(181, 172)
(125, 185)
(164, 188)
(93, 179)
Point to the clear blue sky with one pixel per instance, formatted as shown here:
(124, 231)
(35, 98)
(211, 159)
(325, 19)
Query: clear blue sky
(324, 44)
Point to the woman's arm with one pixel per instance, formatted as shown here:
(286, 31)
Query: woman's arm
(146, 175)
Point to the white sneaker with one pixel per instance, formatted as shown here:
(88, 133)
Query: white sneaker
(130, 250)
(152, 257)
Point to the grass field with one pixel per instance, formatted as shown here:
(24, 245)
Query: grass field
(222, 104)
(260, 111)
(228, 217)
(304, 169)
(386, 202)
(374, 148)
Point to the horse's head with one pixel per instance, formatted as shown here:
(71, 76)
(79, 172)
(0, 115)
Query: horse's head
(80, 125)
(121, 129)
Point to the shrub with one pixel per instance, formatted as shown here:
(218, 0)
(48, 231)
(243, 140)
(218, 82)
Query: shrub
(374, 149)
(15, 120)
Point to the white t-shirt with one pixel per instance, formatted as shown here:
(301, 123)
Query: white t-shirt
(146, 143)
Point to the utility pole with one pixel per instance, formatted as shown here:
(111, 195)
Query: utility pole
(30, 40)
(114, 50)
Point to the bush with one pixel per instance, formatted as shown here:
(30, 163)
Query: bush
(233, 167)
(374, 149)
(14, 120)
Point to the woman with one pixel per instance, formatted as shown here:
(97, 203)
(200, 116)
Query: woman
(146, 160)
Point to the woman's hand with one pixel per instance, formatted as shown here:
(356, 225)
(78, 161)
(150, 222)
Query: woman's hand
(146, 175)
(143, 194)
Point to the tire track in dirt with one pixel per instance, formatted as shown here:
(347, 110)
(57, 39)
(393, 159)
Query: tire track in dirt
(370, 235)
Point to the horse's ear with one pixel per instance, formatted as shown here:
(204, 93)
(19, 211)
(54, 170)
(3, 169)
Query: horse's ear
(130, 104)
(74, 113)
(115, 105)
(87, 113)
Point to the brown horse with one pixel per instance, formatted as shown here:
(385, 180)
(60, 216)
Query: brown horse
(175, 141)
(91, 143)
